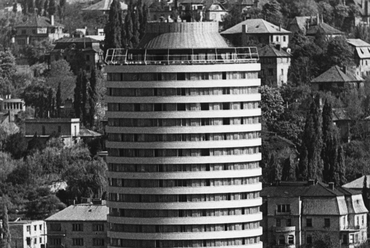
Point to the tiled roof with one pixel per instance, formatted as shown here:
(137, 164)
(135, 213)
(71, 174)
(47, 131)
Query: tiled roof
(324, 206)
(84, 132)
(358, 183)
(335, 74)
(340, 114)
(256, 26)
(37, 21)
(322, 28)
(81, 212)
(103, 5)
(271, 51)
(358, 43)
(300, 21)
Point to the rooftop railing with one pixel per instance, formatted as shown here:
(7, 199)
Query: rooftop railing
(120, 56)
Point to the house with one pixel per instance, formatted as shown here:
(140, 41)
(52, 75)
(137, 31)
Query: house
(319, 27)
(37, 28)
(215, 12)
(67, 128)
(275, 63)
(257, 31)
(82, 225)
(28, 233)
(85, 51)
(361, 51)
(300, 24)
(297, 214)
(336, 80)
(104, 6)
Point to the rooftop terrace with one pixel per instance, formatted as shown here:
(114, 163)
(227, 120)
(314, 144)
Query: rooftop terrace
(119, 56)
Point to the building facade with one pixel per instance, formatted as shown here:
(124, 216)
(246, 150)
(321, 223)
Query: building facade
(28, 233)
(81, 225)
(299, 214)
(184, 141)
(361, 52)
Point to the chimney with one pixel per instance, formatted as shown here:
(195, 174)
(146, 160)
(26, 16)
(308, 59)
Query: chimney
(331, 185)
(344, 69)
(318, 19)
(244, 34)
(52, 20)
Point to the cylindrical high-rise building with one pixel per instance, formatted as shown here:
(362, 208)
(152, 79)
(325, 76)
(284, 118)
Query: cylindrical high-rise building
(184, 141)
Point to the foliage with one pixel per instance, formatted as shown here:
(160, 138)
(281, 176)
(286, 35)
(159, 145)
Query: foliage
(37, 95)
(16, 145)
(5, 241)
(339, 53)
(114, 30)
(305, 8)
(271, 12)
(61, 73)
(326, 11)
(271, 106)
(233, 16)
(37, 50)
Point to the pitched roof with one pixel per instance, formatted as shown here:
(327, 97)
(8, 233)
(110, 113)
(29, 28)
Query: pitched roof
(103, 5)
(358, 183)
(256, 26)
(323, 28)
(271, 51)
(300, 21)
(340, 114)
(358, 43)
(37, 21)
(81, 212)
(335, 74)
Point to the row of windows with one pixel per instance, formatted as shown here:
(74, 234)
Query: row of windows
(181, 76)
(76, 241)
(181, 137)
(115, 152)
(181, 91)
(77, 227)
(183, 228)
(182, 213)
(183, 243)
(118, 182)
(180, 167)
(182, 198)
(150, 107)
(124, 122)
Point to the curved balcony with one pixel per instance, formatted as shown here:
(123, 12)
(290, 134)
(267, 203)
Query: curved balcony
(188, 205)
(186, 160)
(211, 83)
(187, 236)
(228, 219)
(187, 190)
(185, 144)
(256, 245)
(187, 175)
(187, 129)
(186, 114)
(185, 99)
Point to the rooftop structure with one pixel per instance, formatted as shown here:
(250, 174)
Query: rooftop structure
(183, 140)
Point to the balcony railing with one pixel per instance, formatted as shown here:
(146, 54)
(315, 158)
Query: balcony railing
(120, 56)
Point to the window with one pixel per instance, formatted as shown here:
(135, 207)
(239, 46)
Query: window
(284, 38)
(270, 72)
(309, 222)
(77, 227)
(55, 241)
(351, 238)
(98, 227)
(35, 228)
(327, 222)
(78, 242)
(283, 208)
(28, 228)
(278, 222)
(40, 239)
(43, 130)
(344, 239)
(288, 222)
(40, 227)
(281, 240)
(309, 239)
(282, 71)
(98, 242)
(59, 129)
(55, 227)
(291, 239)
(87, 57)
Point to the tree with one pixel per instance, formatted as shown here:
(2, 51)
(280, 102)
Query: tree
(310, 164)
(233, 16)
(326, 11)
(58, 100)
(340, 169)
(77, 102)
(6, 240)
(340, 13)
(93, 97)
(36, 95)
(84, 97)
(305, 8)
(16, 145)
(52, 7)
(7, 64)
(365, 192)
(272, 13)
(114, 31)
(271, 105)
(339, 53)
(61, 72)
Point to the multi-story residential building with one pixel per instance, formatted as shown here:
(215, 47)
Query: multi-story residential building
(361, 52)
(81, 52)
(28, 233)
(257, 31)
(81, 225)
(337, 79)
(183, 140)
(275, 63)
(37, 28)
(300, 213)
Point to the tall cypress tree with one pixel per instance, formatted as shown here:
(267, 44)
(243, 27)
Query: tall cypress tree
(92, 97)
(6, 241)
(85, 86)
(114, 30)
(340, 168)
(129, 25)
(52, 7)
(365, 195)
(58, 100)
(77, 95)
(329, 151)
(50, 103)
(310, 164)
